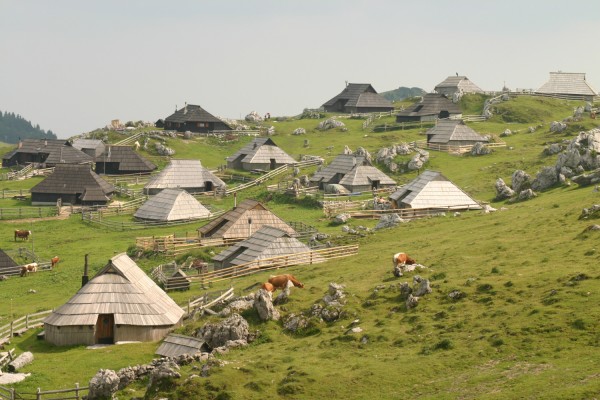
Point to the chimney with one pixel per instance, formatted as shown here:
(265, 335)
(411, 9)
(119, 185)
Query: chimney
(20, 143)
(234, 200)
(185, 108)
(85, 278)
(46, 142)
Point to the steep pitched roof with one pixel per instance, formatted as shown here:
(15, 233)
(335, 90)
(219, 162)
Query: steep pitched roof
(234, 223)
(461, 83)
(6, 261)
(192, 113)
(71, 179)
(342, 164)
(261, 151)
(267, 242)
(93, 193)
(567, 83)
(360, 95)
(432, 189)
(431, 104)
(58, 151)
(362, 175)
(172, 205)
(183, 174)
(80, 144)
(175, 345)
(453, 130)
(127, 157)
(123, 289)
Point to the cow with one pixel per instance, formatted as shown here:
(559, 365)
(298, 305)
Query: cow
(268, 287)
(22, 234)
(402, 258)
(281, 281)
(53, 261)
(26, 269)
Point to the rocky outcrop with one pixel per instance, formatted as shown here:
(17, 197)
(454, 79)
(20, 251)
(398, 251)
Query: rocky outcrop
(218, 334)
(480, 149)
(545, 179)
(253, 116)
(299, 131)
(263, 304)
(503, 191)
(103, 385)
(556, 126)
(330, 123)
(389, 221)
(520, 181)
(592, 178)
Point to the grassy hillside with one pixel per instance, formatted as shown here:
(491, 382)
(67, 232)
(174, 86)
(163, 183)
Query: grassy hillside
(525, 327)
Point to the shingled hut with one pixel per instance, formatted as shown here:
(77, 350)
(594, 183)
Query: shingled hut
(358, 98)
(117, 160)
(267, 242)
(262, 154)
(243, 220)
(431, 189)
(568, 85)
(120, 303)
(45, 153)
(354, 172)
(457, 84)
(73, 184)
(453, 133)
(194, 119)
(172, 205)
(431, 107)
(7, 264)
(91, 147)
(184, 174)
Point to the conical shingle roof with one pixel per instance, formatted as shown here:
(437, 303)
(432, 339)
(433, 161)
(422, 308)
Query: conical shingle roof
(183, 174)
(172, 205)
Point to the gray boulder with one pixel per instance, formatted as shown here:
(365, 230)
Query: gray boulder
(402, 149)
(253, 116)
(545, 179)
(571, 158)
(167, 369)
(556, 126)
(263, 304)
(103, 385)
(480, 149)
(411, 301)
(330, 123)
(405, 290)
(299, 131)
(335, 295)
(423, 288)
(506, 132)
(591, 178)
(520, 180)
(503, 191)
(361, 151)
(388, 221)
(552, 149)
(341, 218)
(295, 322)
(527, 194)
(415, 163)
(217, 334)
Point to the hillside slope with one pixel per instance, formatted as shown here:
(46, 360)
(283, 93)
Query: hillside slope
(14, 127)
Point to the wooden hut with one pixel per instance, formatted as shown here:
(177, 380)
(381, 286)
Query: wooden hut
(194, 119)
(45, 153)
(456, 84)
(184, 174)
(568, 85)
(91, 147)
(73, 184)
(120, 303)
(352, 171)
(260, 154)
(431, 107)
(267, 242)
(453, 133)
(431, 189)
(172, 205)
(243, 220)
(7, 264)
(358, 98)
(176, 345)
(117, 160)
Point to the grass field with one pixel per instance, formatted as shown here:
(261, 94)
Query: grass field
(526, 326)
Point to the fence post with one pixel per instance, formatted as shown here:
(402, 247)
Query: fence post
(27, 321)
(188, 306)
(11, 328)
(77, 390)
(38, 394)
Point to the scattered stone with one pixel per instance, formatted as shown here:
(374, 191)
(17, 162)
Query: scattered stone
(264, 306)
(545, 179)
(520, 181)
(553, 149)
(527, 194)
(503, 191)
(480, 149)
(103, 385)
(330, 123)
(411, 301)
(591, 212)
(389, 221)
(217, 334)
(556, 126)
(356, 329)
(531, 129)
(506, 132)
(486, 208)
(32, 291)
(405, 290)
(253, 117)
(295, 322)
(167, 369)
(423, 288)
(335, 294)
(341, 218)
(299, 131)
(587, 179)
(456, 295)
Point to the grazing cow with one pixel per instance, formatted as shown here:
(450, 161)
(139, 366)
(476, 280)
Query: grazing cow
(26, 269)
(22, 234)
(402, 258)
(268, 287)
(281, 281)
(199, 265)
(54, 260)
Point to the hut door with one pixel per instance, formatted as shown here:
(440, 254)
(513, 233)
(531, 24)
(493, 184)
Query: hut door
(105, 329)
(273, 163)
(208, 186)
(444, 114)
(374, 184)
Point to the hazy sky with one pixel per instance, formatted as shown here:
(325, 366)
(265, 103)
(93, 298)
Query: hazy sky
(73, 65)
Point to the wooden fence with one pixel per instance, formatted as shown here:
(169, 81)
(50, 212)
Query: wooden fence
(75, 393)
(304, 258)
(356, 210)
(28, 212)
(95, 218)
(16, 271)
(15, 193)
(128, 179)
(174, 246)
(21, 325)
(423, 144)
(130, 139)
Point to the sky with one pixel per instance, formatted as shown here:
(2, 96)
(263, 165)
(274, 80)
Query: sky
(72, 66)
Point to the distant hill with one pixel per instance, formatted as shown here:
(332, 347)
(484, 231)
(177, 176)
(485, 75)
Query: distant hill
(402, 93)
(13, 127)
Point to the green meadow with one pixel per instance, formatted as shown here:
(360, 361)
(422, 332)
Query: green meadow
(525, 326)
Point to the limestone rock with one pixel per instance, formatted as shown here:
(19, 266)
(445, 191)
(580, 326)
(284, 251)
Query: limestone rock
(330, 123)
(527, 194)
(103, 385)
(503, 191)
(552, 149)
(217, 334)
(423, 288)
(341, 218)
(480, 149)
(520, 180)
(545, 179)
(253, 116)
(167, 369)
(388, 221)
(556, 126)
(591, 178)
(299, 131)
(411, 301)
(264, 306)
(295, 322)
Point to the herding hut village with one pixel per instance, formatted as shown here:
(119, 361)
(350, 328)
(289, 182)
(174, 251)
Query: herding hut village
(264, 257)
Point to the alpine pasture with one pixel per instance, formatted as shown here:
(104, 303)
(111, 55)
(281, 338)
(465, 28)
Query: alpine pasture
(525, 326)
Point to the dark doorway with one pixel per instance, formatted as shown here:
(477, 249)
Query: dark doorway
(105, 329)
(444, 114)
(208, 186)
(374, 184)
(273, 163)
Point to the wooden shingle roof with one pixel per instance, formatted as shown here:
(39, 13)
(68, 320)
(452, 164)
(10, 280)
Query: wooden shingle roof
(362, 175)
(453, 130)
(261, 151)
(432, 189)
(342, 164)
(573, 83)
(72, 179)
(192, 113)
(183, 174)
(58, 151)
(267, 242)
(431, 104)
(127, 157)
(360, 95)
(175, 345)
(123, 289)
(172, 205)
(460, 83)
(234, 223)
(6, 261)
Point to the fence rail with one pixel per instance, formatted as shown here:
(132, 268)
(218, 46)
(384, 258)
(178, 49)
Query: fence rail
(75, 393)
(28, 212)
(95, 218)
(423, 144)
(20, 325)
(15, 193)
(356, 210)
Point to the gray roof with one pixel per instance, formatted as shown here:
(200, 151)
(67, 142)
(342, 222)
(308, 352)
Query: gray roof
(172, 205)
(362, 175)
(431, 189)
(461, 83)
(342, 164)
(175, 345)
(432, 104)
(58, 151)
(192, 113)
(261, 151)
(72, 179)
(6, 261)
(183, 174)
(93, 193)
(80, 144)
(267, 242)
(567, 83)
(234, 223)
(127, 157)
(447, 131)
(123, 289)
(360, 95)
